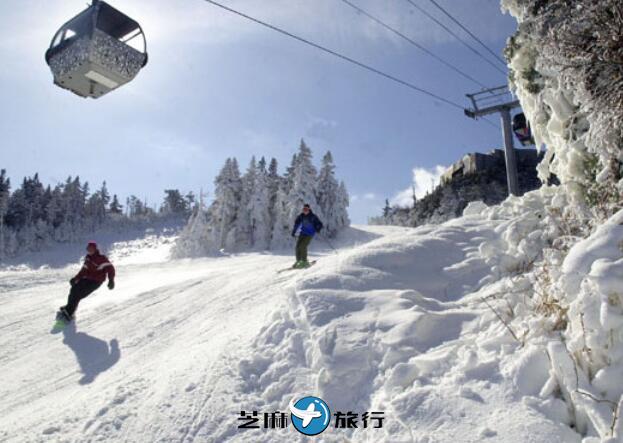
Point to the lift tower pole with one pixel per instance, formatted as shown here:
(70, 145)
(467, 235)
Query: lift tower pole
(495, 100)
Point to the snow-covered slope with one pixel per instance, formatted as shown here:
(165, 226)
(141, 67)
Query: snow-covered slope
(400, 320)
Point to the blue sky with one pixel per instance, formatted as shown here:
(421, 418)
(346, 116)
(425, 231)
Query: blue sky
(217, 86)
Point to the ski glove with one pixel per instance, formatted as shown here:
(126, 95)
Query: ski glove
(111, 284)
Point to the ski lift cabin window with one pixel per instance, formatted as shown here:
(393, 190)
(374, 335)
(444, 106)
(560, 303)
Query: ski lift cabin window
(97, 51)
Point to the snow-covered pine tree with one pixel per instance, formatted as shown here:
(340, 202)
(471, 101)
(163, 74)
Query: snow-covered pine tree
(55, 212)
(81, 202)
(244, 236)
(228, 187)
(387, 210)
(73, 201)
(96, 207)
(299, 188)
(105, 196)
(304, 182)
(26, 213)
(191, 202)
(5, 189)
(327, 195)
(115, 206)
(282, 223)
(174, 203)
(259, 209)
(274, 183)
(343, 200)
(196, 238)
(288, 178)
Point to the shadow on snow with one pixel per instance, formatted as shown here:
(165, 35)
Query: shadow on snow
(93, 354)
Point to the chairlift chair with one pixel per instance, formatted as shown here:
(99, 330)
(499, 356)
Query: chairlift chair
(97, 51)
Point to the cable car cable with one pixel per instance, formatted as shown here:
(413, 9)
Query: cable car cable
(380, 22)
(345, 58)
(464, 28)
(339, 55)
(414, 43)
(456, 36)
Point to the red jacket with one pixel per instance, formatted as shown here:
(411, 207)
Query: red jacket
(96, 267)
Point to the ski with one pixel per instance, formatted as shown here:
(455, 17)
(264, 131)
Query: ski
(292, 268)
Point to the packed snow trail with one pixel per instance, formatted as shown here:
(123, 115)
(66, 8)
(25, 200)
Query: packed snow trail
(393, 322)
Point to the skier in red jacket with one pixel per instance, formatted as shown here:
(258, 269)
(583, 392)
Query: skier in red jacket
(94, 271)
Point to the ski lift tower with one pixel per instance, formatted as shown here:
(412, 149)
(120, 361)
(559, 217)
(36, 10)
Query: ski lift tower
(499, 100)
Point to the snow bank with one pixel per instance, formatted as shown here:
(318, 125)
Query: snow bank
(565, 62)
(410, 324)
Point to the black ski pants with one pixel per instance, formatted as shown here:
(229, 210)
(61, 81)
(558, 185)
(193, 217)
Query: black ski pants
(80, 290)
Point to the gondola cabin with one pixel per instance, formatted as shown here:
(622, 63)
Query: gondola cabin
(97, 51)
(522, 131)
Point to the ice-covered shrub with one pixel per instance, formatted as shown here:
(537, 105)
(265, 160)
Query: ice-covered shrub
(566, 62)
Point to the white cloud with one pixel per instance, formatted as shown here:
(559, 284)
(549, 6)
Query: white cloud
(424, 180)
(321, 129)
(369, 196)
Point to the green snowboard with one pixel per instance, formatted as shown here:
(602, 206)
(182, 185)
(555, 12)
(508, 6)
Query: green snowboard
(59, 324)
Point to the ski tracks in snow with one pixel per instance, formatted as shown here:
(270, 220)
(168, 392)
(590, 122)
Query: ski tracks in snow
(394, 323)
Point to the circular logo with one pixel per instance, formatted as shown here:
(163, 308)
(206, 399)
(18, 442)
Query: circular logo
(310, 415)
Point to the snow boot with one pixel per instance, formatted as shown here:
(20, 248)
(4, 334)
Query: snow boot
(64, 314)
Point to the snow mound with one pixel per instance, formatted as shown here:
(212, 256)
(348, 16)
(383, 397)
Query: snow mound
(435, 326)
(399, 325)
(475, 208)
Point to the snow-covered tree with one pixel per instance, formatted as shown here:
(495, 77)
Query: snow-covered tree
(304, 178)
(258, 209)
(299, 189)
(228, 189)
(174, 203)
(243, 234)
(5, 188)
(327, 195)
(288, 178)
(343, 201)
(191, 201)
(35, 215)
(96, 207)
(196, 238)
(274, 182)
(282, 223)
(115, 206)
